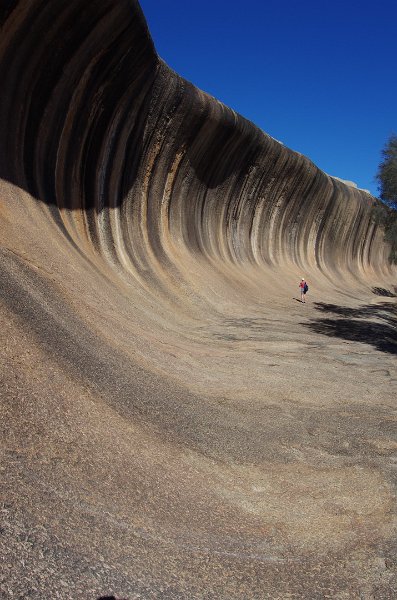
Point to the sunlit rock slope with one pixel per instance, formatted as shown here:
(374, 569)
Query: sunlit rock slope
(176, 424)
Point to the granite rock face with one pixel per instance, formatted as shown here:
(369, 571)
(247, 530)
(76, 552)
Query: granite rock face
(93, 122)
(175, 425)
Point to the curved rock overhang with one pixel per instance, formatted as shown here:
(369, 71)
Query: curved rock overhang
(174, 423)
(93, 122)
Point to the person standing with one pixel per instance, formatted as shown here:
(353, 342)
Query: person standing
(303, 288)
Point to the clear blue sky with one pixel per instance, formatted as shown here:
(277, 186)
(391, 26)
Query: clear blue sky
(320, 76)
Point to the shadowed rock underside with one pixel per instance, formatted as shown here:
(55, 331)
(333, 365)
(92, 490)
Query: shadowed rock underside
(176, 424)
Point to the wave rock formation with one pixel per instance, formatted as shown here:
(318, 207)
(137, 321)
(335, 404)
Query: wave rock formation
(175, 423)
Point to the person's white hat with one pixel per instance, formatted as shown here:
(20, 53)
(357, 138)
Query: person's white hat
(303, 279)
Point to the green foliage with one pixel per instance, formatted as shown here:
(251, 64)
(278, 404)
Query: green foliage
(387, 173)
(385, 212)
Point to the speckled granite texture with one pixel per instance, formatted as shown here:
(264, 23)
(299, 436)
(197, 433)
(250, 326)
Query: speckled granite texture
(175, 423)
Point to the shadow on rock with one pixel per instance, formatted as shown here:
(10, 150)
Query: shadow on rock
(383, 292)
(375, 325)
(109, 598)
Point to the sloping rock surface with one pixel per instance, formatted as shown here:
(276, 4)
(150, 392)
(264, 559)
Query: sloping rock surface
(176, 424)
